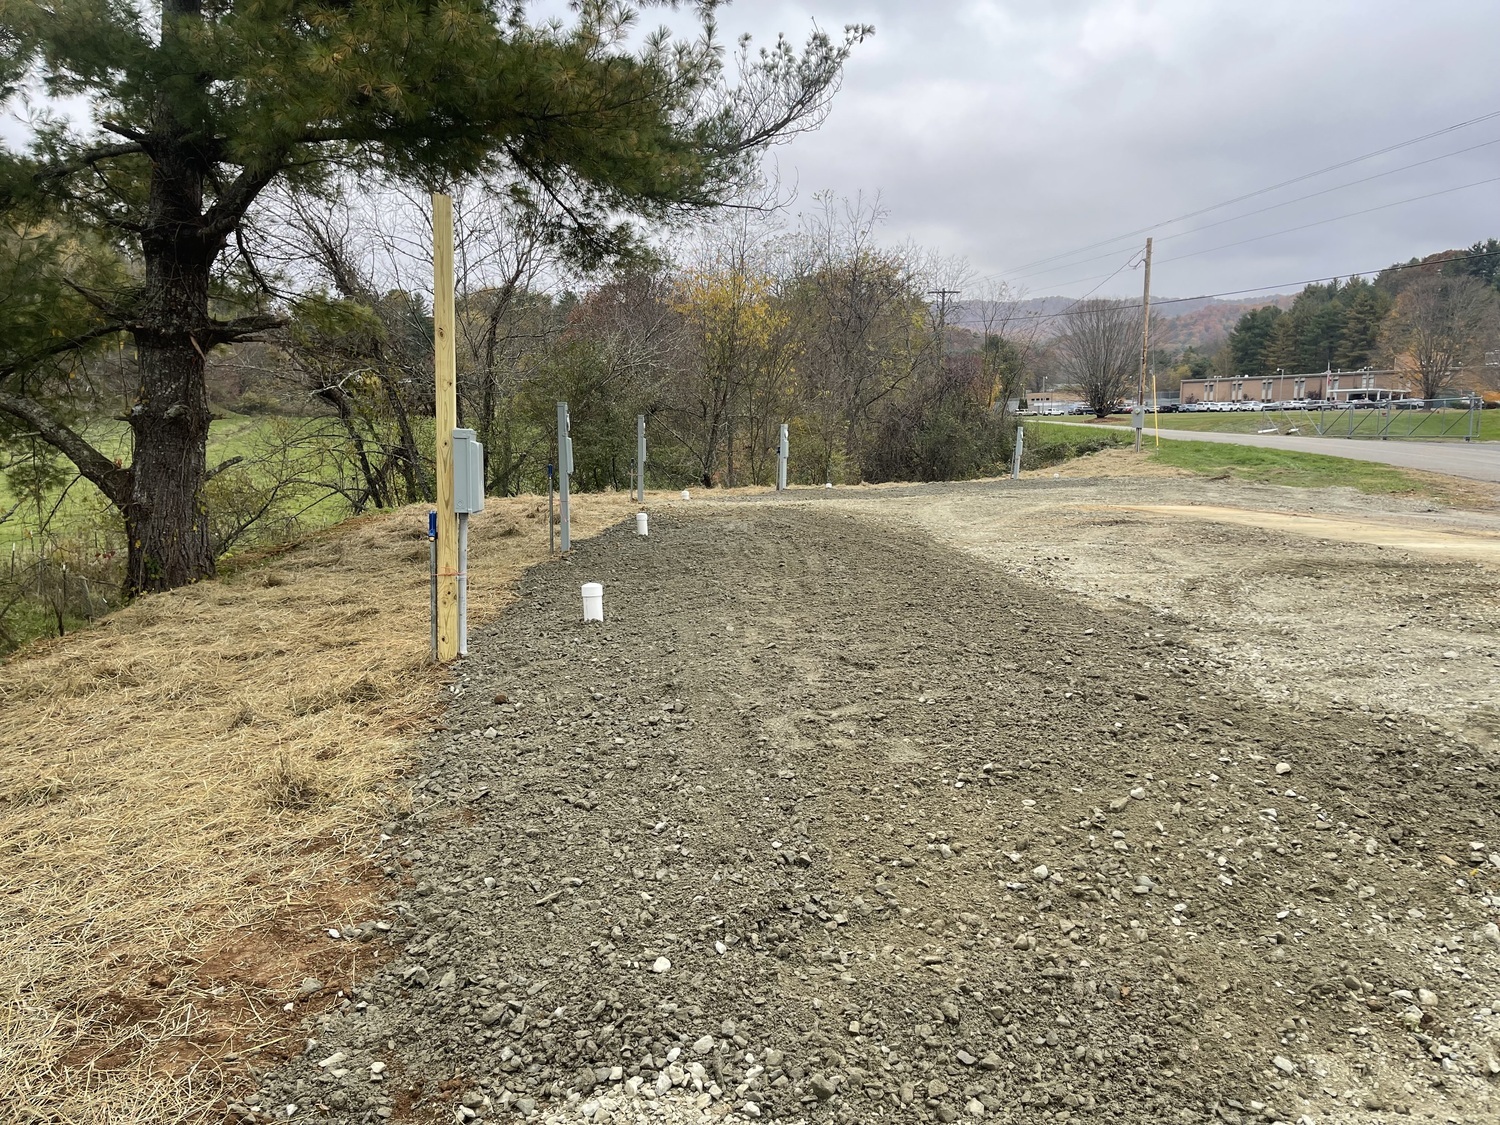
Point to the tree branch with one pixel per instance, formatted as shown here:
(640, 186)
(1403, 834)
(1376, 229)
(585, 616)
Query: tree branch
(89, 159)
(111, 479)
(72, 342)
(241, 327)
(224, 216)
(220, 467)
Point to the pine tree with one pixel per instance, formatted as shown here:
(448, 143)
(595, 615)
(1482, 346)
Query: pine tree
(1359, 336)
(1250, 342)
(200, 105)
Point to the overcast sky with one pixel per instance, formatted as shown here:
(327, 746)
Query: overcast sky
(1012, 130)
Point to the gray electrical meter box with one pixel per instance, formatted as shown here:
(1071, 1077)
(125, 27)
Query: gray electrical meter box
(468, 473)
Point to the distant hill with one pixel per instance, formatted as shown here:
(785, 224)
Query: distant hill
(1201, 322)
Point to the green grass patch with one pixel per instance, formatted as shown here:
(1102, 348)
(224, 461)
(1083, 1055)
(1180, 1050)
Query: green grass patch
(269, 446)
(1296, 470)
(1051, 444)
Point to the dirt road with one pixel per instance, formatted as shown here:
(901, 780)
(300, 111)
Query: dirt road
(835, 820)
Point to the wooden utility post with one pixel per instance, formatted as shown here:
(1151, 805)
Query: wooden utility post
(1140, 397)
(445, 365)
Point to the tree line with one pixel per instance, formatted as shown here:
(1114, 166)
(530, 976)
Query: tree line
(1432, 318)
(718, 339)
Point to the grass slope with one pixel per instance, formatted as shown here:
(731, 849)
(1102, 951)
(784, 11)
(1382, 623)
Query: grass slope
(1298, 470)
(182, 799)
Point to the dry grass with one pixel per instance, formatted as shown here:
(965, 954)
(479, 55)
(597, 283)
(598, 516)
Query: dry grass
(186, 794)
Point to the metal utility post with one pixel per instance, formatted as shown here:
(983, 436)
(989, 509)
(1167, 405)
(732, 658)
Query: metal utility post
(1015, 464)
(564, 470)
(445, 369)
(433, 581)
(551, 521)
(1140, 397)
(783, 451)
(640, 458)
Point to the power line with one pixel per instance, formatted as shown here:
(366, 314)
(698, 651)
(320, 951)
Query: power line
(1266, 190)
(1278, 285)
(1263, 210)
(1335, 218)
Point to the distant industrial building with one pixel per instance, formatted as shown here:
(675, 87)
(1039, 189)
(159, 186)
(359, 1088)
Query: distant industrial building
(1323, 386)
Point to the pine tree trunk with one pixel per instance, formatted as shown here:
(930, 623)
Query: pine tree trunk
(166, 520)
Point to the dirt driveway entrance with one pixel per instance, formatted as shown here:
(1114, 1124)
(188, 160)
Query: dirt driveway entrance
(835, 821)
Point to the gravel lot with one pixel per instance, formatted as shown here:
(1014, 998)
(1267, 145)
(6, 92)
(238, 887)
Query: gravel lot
(914, 806)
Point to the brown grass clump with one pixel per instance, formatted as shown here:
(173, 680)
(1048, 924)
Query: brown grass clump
(187, 796)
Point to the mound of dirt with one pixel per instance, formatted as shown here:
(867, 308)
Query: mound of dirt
(832, 823)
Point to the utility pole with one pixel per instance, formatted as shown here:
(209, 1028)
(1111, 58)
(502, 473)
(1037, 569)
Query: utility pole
(445, 395)
(1140, 397)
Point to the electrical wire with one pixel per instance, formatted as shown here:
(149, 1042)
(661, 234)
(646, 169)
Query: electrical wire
(1155, 303)
(1333, 219)
(1258, 211)
(1266, 190)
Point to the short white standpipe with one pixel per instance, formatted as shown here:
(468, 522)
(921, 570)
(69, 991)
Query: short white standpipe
(593, 601)
(686, 495)
(640, 523)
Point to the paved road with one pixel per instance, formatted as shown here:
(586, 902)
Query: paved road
(1473, 460)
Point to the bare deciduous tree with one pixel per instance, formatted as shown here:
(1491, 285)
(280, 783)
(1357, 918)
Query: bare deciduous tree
(1008, 347)
(1441, 325)
(1100, 350)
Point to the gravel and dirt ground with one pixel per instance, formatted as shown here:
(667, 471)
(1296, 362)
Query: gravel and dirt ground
(1046, 802)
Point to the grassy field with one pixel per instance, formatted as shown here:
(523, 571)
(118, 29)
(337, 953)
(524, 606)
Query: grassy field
(1443, 425)
(1049, 443)
(1298, 470)
(1267, 466)
(82, 513)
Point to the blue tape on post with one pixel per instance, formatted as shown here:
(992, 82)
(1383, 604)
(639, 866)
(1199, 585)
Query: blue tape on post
(549, 470)
(432, 525)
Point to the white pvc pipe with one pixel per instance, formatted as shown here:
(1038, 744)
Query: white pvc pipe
(593, 601)
(640, 523)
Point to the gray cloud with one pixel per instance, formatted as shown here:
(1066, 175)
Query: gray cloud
(1009, 132)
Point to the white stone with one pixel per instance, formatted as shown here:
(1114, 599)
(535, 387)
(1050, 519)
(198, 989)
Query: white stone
(660, 965)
